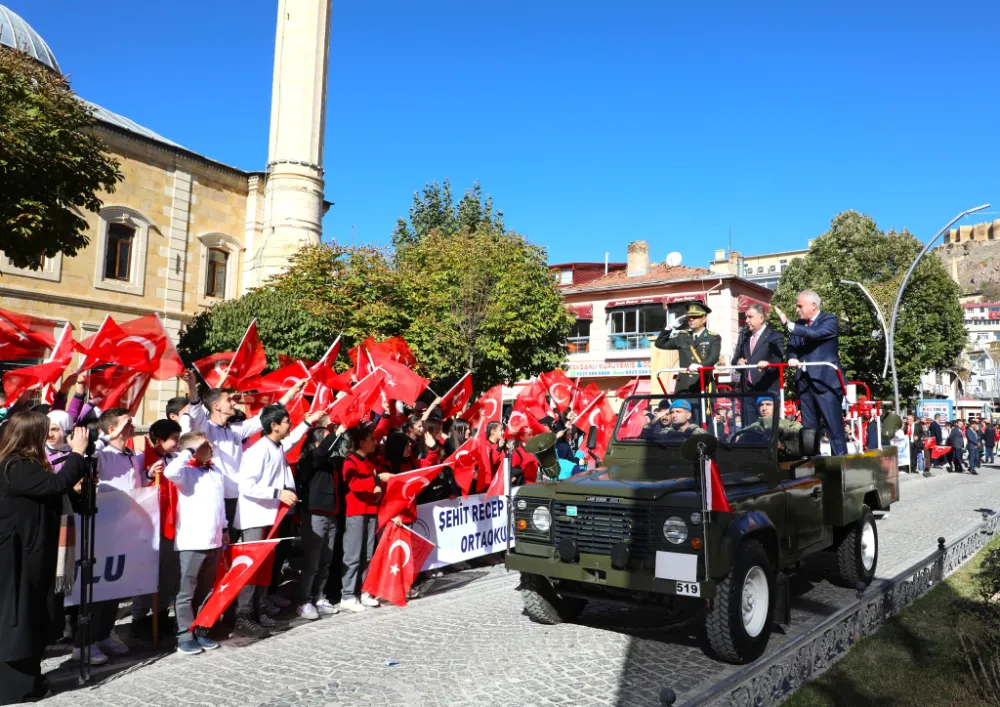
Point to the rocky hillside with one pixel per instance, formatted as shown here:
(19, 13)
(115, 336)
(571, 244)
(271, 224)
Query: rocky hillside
(977, 263)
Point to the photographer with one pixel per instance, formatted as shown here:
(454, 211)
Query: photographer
(36, 548)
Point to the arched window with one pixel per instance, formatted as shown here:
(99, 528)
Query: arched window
(118, 254)
(215, 275)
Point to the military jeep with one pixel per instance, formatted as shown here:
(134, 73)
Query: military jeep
(641, 531)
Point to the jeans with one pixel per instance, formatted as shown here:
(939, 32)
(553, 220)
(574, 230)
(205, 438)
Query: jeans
(251, 596)
(359, 544)
(974, 453)
(198, 569)
(319, 538)
(988, 457)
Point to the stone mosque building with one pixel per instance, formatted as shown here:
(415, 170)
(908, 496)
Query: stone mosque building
(182, 231)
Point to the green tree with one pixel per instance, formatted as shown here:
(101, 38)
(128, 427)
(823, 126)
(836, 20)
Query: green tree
(479, 300)
(51, 164)
(434, 209)
(929, 334)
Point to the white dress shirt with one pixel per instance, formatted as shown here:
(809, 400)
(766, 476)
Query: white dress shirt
(226, 441)
(264, 474)
(201, 504)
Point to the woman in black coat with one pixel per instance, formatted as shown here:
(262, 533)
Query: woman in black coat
(31, 504)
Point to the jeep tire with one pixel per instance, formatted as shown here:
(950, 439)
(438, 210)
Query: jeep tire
(543, 605)
(857, 553)
(737, 627)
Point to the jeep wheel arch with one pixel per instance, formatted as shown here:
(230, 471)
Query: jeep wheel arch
(754, 525)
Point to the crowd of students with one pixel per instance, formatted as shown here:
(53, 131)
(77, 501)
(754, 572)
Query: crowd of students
(224, 476)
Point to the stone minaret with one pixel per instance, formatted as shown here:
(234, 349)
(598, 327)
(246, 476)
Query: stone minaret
(293, 193)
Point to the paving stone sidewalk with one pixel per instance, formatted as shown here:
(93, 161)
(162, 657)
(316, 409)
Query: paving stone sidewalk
(471, 644)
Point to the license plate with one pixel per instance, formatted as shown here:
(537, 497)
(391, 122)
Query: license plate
(571, 510)
(688, 589)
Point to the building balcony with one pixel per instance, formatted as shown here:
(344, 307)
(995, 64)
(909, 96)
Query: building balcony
(629, 342)
(580, 344)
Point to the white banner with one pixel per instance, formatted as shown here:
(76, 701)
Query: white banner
(126, 545)
(463, 528)
(903, 448)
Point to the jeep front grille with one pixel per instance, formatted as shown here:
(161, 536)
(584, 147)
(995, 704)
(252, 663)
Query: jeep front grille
(598, 527)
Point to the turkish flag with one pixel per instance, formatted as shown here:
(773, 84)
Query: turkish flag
(715, 489)
(463, 463)
(401, 383)
(456, 398)
(598, 414)
(490, 405)
(354, 407)
(118, 387)
(402, 490)
(585, 397)
(279, 381)
(634, 419)
(498, 485)
(141, 344)
(322, 399)
(560, 388)
(522, 422)
(239, 564)
(361, 357)
(21, 380)
(628, 389)
(323, 372)
(398, 559)
(249, 359)
(395, 349)
(285, 359)
(532, 397)
(25, 336)
(213, 367)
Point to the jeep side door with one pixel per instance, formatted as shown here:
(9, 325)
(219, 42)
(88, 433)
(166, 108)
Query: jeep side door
(803, 507)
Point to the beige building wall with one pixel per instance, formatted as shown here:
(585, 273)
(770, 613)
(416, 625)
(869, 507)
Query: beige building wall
(179, 205)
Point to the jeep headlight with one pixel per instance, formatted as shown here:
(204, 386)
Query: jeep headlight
(541, 519)
(675, 530)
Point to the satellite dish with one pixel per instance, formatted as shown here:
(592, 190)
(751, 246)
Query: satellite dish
(674, 259)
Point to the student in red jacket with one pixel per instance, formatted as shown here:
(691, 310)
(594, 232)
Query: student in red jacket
(361, 479)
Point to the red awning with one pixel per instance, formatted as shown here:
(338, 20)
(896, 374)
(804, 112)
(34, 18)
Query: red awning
(635, 301)
(686, 298)
(745, 301)
(581, 311)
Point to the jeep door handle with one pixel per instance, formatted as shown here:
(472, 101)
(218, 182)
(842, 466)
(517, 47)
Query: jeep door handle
(817, 492)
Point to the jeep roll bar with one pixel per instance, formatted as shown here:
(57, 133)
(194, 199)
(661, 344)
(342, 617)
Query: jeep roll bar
(702, 370)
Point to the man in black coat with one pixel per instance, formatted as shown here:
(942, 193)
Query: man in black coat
(990, 442)
(934, 430)
(759, 345)
(956, 440)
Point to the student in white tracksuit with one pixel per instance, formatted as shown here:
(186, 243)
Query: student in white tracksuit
(212, 420)
(265, 483)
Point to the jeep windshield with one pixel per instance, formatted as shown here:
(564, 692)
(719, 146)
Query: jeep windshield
(736, 419)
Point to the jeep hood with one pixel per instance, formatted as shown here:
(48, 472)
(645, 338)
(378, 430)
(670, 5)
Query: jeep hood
(600, 483)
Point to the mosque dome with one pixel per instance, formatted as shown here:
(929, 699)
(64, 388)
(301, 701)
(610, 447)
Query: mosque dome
(17, 34)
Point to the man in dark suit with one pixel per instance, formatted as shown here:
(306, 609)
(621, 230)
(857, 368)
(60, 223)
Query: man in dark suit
(934, 429)
(759, 346)
(956, 440)
(815, 338)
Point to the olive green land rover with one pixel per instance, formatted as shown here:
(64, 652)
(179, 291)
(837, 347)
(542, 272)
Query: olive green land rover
(647, 528)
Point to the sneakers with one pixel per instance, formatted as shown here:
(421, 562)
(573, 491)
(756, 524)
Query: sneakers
(272, 624)
(112, 646)
(97, 656)
(368, 600)
(279, 601)
(270, 609)
(189, 647)
(351, 604)
(325, 608)
(206, 643)
(248, 628)
(308, 611)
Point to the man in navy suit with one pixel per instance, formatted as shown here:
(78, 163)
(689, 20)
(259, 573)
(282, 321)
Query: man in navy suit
(815, 337)
(759, 345)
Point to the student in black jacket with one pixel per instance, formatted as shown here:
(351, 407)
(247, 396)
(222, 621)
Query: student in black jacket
(317, 480)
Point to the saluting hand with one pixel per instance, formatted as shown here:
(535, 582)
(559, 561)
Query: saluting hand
(781, 315)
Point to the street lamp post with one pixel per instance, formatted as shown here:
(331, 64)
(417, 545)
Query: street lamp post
(899, 298)
(881, 319)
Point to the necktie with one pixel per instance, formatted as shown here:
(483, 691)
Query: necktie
(753, 340)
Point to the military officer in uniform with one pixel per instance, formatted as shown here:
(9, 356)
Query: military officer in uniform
(696, 347)
(761, 430)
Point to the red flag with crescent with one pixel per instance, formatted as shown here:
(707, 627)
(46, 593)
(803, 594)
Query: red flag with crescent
(279, 381)
(118, 387)
(140, 344)
(239, 564)
(560, 388)
(490, 405)
(456, 398)
(394, 349)
(248, 360)
(25, 336)
(401, 492)
(398, 559)
(522, 422)
(463, 464)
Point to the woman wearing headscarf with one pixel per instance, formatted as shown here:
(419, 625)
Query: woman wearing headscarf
(36, 544)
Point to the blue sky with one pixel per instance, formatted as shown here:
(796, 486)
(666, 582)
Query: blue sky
(591, 123)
